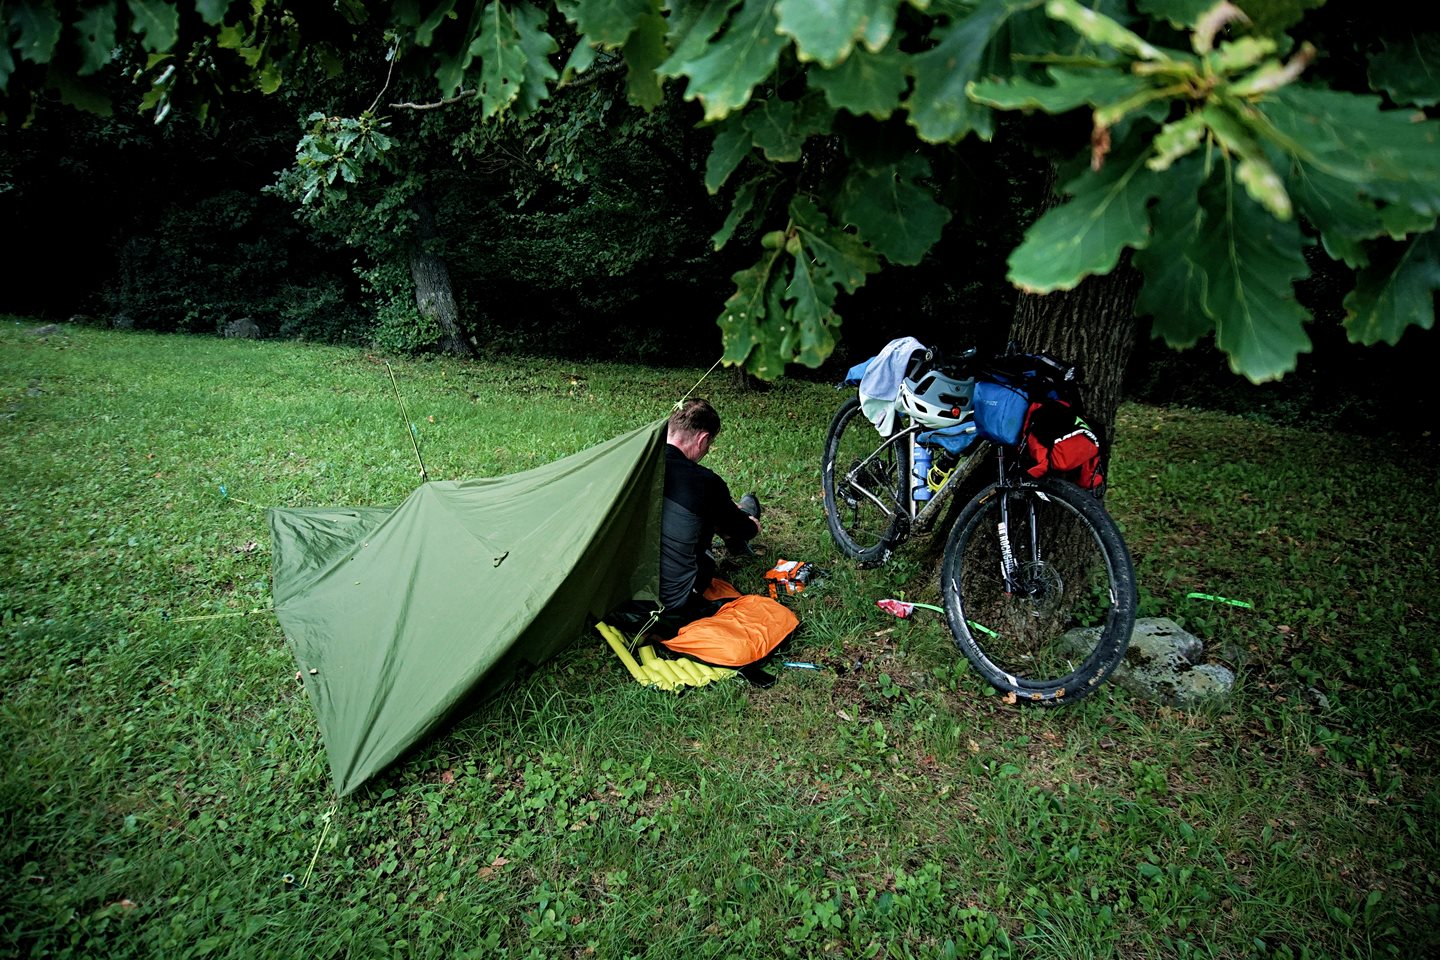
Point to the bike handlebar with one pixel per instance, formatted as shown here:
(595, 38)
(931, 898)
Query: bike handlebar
(970, 363)
(933, 358)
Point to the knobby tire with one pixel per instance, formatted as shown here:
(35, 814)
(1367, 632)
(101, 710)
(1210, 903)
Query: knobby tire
(1067, 624)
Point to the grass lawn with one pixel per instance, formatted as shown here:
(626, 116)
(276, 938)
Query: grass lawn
(164, 792)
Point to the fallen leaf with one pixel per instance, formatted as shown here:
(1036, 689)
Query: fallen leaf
(495, 864)
(1009, 697)
(447, 776)
(844, 716)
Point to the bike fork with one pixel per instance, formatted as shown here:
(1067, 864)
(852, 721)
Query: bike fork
(1009, 566)
(1007, 555)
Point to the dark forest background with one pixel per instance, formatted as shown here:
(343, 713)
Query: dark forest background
(583, 234)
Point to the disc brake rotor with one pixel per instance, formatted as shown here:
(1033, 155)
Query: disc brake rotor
(1042, 584)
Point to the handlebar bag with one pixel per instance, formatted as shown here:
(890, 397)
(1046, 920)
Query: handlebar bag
(1000, 410)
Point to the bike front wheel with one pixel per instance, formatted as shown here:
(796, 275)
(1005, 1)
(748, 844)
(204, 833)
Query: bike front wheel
(1046, 619)
(865, 486)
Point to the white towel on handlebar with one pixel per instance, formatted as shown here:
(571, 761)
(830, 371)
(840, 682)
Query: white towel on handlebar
(881, 384)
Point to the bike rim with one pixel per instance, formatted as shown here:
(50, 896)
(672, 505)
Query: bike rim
(859, 478)
(1055, 626)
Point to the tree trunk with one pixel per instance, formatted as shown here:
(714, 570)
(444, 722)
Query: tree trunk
(434, 297)
(1091, 326)
(745, 381)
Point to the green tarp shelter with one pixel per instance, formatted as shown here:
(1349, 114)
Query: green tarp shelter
(402, 618)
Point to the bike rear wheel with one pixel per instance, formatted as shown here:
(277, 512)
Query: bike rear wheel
(1063, 622)
(865, 486)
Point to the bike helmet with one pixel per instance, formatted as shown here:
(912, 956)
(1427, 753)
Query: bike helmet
(935, 400)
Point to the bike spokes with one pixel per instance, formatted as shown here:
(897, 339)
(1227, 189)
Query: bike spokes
(863, 480)
(1031, 589)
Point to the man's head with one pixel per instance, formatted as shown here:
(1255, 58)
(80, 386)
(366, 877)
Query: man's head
(693, 428)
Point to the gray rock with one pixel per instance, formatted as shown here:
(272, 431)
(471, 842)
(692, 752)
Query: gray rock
(1163, 664)
(122, 321)
(242, 329)
(1208, 682)
(50, 329)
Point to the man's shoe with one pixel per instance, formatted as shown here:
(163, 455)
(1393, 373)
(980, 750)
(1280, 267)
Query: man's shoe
(757, 675)
(740, 549)
(750, 504)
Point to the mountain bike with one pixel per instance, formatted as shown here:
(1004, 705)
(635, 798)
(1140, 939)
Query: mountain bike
(1036, 580)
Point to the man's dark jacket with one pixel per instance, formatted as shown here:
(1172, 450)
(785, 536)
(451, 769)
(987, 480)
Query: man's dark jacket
(697, 507)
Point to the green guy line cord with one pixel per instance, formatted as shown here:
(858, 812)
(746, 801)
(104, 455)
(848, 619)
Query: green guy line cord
(679, 403)
(409, 427)
(326, 829)
(221, 616)
(654, 619)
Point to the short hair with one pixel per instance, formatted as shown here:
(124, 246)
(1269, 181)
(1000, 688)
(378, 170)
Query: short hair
(694, 416)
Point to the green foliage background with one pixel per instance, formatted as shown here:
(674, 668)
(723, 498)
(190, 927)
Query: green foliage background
(1223, 140)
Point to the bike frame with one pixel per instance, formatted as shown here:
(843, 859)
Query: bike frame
(920, 515)
(1041, 602)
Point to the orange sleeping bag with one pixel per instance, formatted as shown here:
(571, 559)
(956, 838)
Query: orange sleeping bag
(742, 632)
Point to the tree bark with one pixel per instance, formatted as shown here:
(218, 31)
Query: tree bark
(434, 296)
(1091, 326)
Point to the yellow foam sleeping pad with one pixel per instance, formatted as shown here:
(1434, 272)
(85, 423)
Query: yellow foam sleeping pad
(653, 671)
